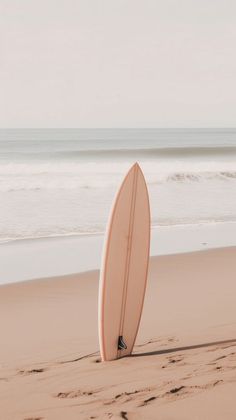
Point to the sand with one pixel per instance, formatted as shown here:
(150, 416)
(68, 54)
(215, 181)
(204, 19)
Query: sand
(184, 361)
(56, 256)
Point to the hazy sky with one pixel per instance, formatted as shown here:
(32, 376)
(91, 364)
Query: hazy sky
(117, 63)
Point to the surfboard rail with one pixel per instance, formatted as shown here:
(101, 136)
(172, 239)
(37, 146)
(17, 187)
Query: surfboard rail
(124, 267)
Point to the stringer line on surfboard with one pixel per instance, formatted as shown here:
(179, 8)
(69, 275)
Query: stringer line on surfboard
(127, 264)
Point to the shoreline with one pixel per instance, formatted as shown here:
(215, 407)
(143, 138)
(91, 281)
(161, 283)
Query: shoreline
(95, 271)
(102, 233)
(55, 256)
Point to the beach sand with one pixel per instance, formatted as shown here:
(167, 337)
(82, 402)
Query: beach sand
(184, 362)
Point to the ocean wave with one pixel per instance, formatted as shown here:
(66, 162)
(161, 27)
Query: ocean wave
(199, 176)
(106, 181)
(148, 152)
(114, 152)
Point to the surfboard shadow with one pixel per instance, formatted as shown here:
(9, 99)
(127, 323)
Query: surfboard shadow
(184, 348)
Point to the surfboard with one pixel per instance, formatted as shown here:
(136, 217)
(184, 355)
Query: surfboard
(124, 267)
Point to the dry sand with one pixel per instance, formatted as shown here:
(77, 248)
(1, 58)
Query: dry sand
(184, 361)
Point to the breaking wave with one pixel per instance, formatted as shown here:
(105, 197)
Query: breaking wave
(66, 181)
(199, 176)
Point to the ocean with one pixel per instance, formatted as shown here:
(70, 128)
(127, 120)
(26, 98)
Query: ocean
(61, 182)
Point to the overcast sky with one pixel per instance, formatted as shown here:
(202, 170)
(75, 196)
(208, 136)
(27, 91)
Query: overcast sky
(123, 63)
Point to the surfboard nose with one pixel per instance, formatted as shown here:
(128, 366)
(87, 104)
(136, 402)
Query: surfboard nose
(137, 167)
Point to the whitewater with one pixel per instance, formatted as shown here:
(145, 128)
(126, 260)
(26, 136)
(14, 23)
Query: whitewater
(62, 182)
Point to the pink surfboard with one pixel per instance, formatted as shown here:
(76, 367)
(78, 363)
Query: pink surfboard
(124, 267)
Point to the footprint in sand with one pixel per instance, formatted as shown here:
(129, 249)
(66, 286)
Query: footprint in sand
(126, 396)
(175, 360)
(175, 390)
(227, 362)
(73, 394)
(31, 371)
(34, 418)
(147, 401)
(172, 360)
(187, 390)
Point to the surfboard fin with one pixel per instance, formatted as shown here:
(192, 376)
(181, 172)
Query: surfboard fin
(121, 343)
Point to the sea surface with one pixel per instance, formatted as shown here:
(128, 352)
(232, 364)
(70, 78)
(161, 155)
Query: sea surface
(61, 182)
